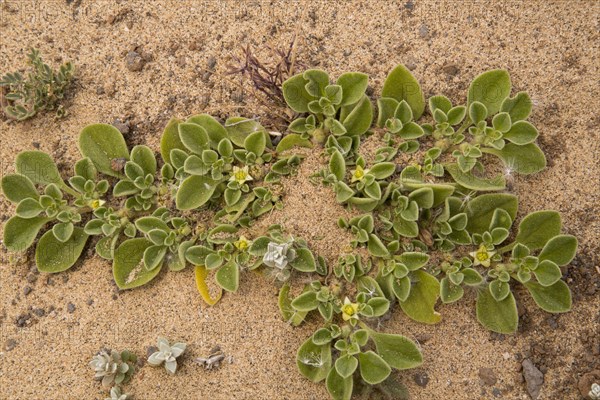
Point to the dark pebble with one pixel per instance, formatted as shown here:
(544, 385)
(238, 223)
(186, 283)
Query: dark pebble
(23, 319)
(89, 302)
(421, 378)
(121, 126)
(497, 392)
(39, 312)
(32, 278)
(70, 308)
(27, 290)
(36, 144)
(424, 31)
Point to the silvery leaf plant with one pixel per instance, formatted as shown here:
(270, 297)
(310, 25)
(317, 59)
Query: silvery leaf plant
(430, 225)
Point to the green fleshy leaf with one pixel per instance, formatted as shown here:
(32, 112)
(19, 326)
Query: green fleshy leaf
(144, 157)
(376, 247)
(414, 260)
(560, 249)
(423, 197)
(228, 276)
(128, 265)
(343, 192)
(497, 316)
(194, 192)
(105, 247)
(339, 388)
(386, 108)
(63, 231)
(19, 233)
(346, 365)
(490, 89)
(103, 143)
(526, 159)
(400, 84)
(469, 181)
(537, 228)
(18, 187)
(359, 120)
(194, 137)
(318, 80)
(314, 361)
(29, 208)
(154, 256)
(383, 170)
(38, 167)
(422, 299)
(439, 102)
(86, 169)
(406, 228)
(170, 140)
(307, 301)
(518, 107)
(450, 292)
(304, 261)
(256, 143)
(238, 128)
(216, 132)
(52, 255)
(477, 112)
(373, 368)
(353, 86)
(521, 132)
(480, 210)
(292, 140)
(337, 165)
(553, 299)
(396, 350)
(295, 318)
(547, 273)
(295, 94)
(499, 290)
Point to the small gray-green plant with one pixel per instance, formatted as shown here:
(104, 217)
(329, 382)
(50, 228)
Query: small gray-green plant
(167, 354)
(43, 89)
(112, 367)
(117, 394)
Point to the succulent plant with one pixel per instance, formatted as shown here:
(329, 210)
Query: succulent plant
(167, 354)
(114, 367)
(594, 393)
(116, 394)
(279, 255)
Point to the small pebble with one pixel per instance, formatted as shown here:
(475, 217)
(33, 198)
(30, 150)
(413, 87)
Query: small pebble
(488, 376)
(134, 61)
(421, 378)
(27, 290)
(424, 31)
(533, 377)
(70, 308)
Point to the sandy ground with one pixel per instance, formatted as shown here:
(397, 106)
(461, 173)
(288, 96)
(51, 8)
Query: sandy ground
(551, 50)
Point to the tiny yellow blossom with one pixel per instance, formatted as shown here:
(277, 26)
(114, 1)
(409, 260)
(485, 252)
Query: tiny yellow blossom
(242, 244)
(240, 175)
(359, 173)
(95, 204)
(482, 256)
(349, 310)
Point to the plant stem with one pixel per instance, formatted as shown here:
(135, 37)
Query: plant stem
(464, 126)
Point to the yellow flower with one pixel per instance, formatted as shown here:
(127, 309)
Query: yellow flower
(242, 244)
(359, 173)
(349, 310)
(240, 175)
(95, 204)
(482, 256)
